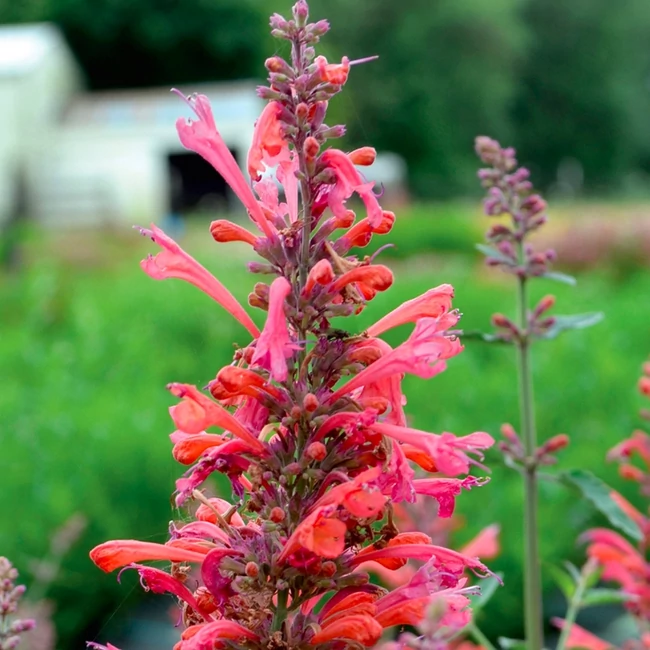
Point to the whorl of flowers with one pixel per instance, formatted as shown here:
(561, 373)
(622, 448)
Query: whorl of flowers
(311, 428)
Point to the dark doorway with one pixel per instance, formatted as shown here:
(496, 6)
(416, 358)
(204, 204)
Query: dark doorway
(195, 186)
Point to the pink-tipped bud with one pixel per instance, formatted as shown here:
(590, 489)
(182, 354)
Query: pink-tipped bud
(302, 111)
(328, 569)
(560, 441)
(252, 570)
(223, 230)
(316, 451)
(278, 65)
(631, 473)
(301, 12)
(310, 402)
(543, 305)
(311, 148)
(277, 515)
(363, 157)
(509, 433)
(321, 273)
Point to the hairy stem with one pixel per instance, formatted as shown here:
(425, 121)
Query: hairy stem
(532, 572)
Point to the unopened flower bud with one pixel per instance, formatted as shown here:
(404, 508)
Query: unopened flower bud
(319, 28)
(22, 625)
(364, 156)
(311, 148)
(278, 22)
(630, 473)
(310, 402)
(292, 469)
(302, 111)
(278, 64)
(336, 131)
(316, 451)
(556, 443)
(509, 433)
(300, 12)
(328, 569)
(10, 643)
(252, 570)
(277, 515)
(544, 305)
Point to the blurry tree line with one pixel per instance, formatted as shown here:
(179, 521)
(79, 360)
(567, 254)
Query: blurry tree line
(567, 82)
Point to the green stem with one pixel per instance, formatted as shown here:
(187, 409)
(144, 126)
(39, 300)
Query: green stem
(532, 572)
(479, 637)
(280, 610)
(574, 605)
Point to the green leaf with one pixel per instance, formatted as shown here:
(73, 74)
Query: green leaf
(488, 588)
(599, 493)
(563, 580)
(573, 322)
(494, 253)
(605, 597)
(511, 644)
(559, 277)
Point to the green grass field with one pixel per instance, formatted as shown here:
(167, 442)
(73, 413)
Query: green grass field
(89, 342)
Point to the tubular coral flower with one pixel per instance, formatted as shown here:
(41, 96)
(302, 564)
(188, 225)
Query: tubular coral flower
(207, 513)
(442, 558)
(361, 233)
(448, 452)
(375, 276)
(364, 156)
(161, 582)
(422, 354)
(208, 635)
(361, 628)
(321, 273)
(319, 533)
(444, 491)
(188, 448)
(122, 552)
(196, 412)
(431, 304)
(269, 146)
(202, 137)
(223, 230)
(174, 262)
(333, 73)
(274, 345)
(348, 181)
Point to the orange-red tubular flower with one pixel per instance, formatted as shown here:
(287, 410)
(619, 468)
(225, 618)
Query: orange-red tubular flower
(431, 304)
(174, 262)
(321, 273)
(120, 552)
(374, 276)
(203, 137)
(361, 628)
(580, 638)
(208, 635)
(196, 412)
(190, 446)
(269, 146)
(223, 230)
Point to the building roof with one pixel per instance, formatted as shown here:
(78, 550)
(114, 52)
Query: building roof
(23, 47)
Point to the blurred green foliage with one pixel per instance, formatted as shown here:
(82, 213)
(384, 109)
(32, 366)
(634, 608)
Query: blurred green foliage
(561, 81)
(90, 342)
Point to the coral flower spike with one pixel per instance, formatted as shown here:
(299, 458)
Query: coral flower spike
(305, 427)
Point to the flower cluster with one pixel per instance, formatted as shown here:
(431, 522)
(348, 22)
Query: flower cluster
(621, 561)
(10, 595)
(313, 435)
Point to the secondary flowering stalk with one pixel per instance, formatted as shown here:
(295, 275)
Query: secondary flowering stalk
(10, 595)
(313, 435)
(509, 193)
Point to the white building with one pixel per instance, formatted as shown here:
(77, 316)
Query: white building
(69, 157)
